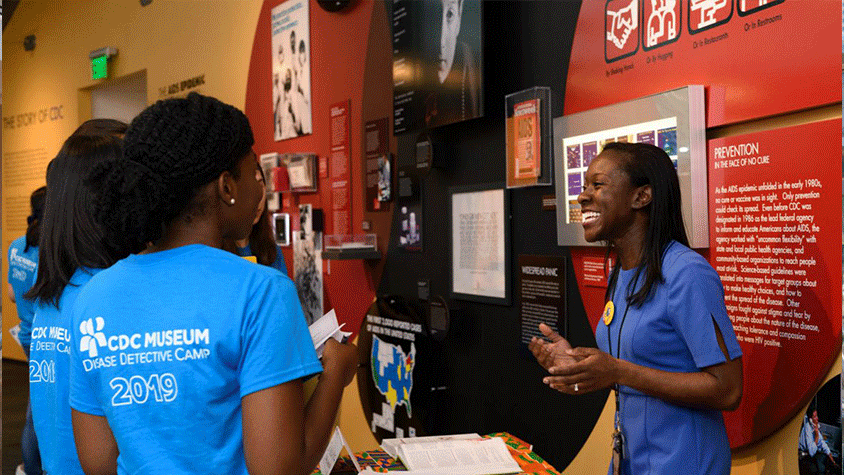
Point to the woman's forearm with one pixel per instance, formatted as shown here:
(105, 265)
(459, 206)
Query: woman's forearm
(320, 415)
(716, 387)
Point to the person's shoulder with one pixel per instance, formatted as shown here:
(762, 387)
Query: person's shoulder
(681, 260)
(18, 244)
(236, 267)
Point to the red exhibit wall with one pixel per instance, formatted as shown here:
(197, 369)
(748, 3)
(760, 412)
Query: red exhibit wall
(340, 61)
(762, 62)
(775, 240)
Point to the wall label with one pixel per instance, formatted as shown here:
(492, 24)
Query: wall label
(180, 86)
(26, 119)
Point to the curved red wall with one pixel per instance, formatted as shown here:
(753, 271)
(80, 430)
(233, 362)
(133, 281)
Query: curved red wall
(346, 50)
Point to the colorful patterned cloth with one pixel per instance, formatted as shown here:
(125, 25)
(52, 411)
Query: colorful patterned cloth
(379, 461)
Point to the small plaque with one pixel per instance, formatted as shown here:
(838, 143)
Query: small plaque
(438, 317)
(424, 287)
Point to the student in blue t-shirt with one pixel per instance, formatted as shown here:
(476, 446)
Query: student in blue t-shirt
(260, 242)
(72, 251)
(186, 358)
(23, 263)
(667, 345)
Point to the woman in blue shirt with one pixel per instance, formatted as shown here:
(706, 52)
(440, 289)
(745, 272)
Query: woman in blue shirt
(23, 263)
(667, 346)
(72, 250)
(186, 358)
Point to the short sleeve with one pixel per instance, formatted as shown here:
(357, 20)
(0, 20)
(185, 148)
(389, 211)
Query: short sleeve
(276, 346)
(696, 304)
(83, 397)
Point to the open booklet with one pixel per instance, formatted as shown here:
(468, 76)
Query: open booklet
(462, 454)
(324, 328)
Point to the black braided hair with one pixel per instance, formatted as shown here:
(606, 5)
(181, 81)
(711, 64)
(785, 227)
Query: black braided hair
(171, 150)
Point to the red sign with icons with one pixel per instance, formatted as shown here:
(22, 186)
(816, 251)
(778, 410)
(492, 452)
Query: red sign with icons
(775, 240)
(756, 58)
(662, 23)
(706, 14)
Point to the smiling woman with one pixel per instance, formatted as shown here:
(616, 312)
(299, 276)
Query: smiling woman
(667, 346)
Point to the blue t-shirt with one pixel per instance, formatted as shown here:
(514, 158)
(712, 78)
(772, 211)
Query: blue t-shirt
(672, 331)
(166, 344)
(49, 379)
(279, 257)
(22, 271)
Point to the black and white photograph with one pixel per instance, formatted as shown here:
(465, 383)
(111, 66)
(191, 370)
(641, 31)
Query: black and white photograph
(307, 264)
(385, 179)
(410, 236)
(291, 70)
(446, 85)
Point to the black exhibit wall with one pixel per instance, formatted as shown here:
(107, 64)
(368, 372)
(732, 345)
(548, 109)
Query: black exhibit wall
(484, 379)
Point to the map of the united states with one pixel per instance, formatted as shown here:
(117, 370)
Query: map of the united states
(392, 372)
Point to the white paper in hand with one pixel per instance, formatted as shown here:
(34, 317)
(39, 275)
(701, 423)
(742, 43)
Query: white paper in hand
(324, 328)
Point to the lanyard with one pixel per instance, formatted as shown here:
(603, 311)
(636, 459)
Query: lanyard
(618, 352)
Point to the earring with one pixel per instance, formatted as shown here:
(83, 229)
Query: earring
(231, 201)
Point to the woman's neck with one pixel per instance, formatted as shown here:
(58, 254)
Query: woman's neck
(241, 243)
(629, 246)
(183, 232)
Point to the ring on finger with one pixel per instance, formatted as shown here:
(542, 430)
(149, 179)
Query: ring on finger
(576, 389)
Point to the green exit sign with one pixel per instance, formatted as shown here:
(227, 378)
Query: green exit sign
(99, 67)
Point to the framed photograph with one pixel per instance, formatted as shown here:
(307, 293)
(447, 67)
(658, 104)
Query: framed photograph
(480, 236)
(281, 228)
(437, 63)
(291, 69)
(529, 158)
(410, 216)
(301, 171)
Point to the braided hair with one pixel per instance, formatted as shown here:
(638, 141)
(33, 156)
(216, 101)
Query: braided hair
(171, 150)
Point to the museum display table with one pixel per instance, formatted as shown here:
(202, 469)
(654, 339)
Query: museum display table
(379, 461)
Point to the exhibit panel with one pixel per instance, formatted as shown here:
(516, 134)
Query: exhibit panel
(776, 243)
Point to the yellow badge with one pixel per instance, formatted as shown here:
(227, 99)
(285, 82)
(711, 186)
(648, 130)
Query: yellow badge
(609, 311)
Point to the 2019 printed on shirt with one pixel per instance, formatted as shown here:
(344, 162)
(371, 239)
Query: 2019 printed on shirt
(110, 351)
